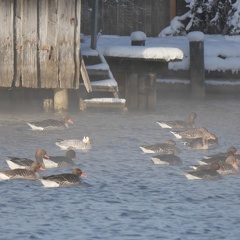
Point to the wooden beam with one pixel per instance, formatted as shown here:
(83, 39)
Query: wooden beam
(94, 24)
(173, 9)
(85, 76)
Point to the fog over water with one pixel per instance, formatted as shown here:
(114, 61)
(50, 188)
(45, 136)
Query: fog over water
(125, 196)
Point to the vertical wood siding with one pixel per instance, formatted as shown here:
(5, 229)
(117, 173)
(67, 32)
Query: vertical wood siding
(6, 43)
(125, 16)
(40, 43)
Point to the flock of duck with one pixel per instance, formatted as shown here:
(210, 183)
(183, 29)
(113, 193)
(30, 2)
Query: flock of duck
(211, 167)
(24, 168)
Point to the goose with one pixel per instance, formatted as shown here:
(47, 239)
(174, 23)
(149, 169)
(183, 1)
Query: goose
(200, 145)
(211, 142)
(210, 173)
(224, 154)
(213, 165)
(220, 157)
(74, 144)
(51, 124)
(163, 148)
(190, 133)
(166, 159)
(19, 162)
(19, 173)
(189, 123)
(63, 179)
(60, 161)
(230, 166)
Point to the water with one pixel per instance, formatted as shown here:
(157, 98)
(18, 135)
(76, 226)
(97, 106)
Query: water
(125, 195)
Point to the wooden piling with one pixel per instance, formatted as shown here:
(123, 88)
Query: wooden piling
(60, 100)
(131, 91)
(140, 91)
(197, 70)
(151, 91)
(48, 105)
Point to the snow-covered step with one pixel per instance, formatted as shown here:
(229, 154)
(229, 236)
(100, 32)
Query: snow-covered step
(103, 103)
(100, 69)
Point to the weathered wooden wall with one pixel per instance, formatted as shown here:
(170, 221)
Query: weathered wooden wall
(40, 43)
(125, 16)
(181, 7)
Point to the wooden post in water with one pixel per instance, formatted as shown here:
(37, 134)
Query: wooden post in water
(151, 96)
(131, 88)
(197, 69)
(48, 105)
(147, 92)
(60, 100)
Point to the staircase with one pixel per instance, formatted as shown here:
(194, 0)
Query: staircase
(99, 82)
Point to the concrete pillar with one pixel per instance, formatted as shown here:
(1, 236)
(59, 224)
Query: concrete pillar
(197, 69)
(60, 100)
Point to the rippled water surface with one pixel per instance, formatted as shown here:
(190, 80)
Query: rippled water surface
(125, 196)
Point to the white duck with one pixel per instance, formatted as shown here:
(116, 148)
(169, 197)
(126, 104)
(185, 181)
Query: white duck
(75, 144)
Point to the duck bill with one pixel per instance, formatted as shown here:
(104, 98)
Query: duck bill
(83, 175)
(237, 153)
(235, 165)
(212, 137)
(70, 121)
(46, 156)
(42, 168)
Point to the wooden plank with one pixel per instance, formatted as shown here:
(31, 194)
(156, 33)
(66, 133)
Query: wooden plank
(29, 44)
(104, 103)
(173, 9)
(18, 46)
(66, 55)
(99, 88)
(47, 48)
(77, 44)
(85, 77)
(6, 43)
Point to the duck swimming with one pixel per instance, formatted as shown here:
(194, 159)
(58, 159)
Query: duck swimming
(75, 144)
(189, 123)
(163, 148)
(19, 173)
(20, 162)
(60, 161)
(63, 179)
(52, 124)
